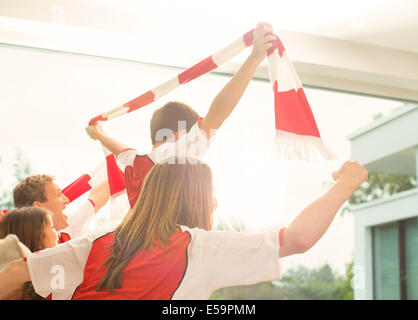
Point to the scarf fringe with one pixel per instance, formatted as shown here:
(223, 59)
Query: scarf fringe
(291, 146)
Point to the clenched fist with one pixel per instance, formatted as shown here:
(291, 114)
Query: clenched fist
(352, 174)
(95, 131)
(263, 40)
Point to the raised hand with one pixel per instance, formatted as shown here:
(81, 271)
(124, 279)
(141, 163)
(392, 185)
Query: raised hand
(352, 174)
(263, 40)
(95, 132)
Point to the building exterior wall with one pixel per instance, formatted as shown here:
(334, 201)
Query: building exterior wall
(398, 207)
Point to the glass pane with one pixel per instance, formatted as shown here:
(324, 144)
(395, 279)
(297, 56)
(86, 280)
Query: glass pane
(386, 265)
(411, 252)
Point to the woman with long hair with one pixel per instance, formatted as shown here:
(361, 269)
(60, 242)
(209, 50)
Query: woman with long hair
(165, 248)
(33, 227)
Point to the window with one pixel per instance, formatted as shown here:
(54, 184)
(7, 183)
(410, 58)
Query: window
(395, 260)
(411, 258)
(386, 262)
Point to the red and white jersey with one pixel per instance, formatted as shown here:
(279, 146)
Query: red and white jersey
(194, 264)
(78, 221)
(136, 166)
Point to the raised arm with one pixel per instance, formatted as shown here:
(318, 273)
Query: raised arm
(226, 100)
(310, 225)
(96, 132)
(100, 195)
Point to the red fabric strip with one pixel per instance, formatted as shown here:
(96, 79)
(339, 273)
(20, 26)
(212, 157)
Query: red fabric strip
(293, 113)
(197, 70)
(77, 188)
(276, 45)
(114, 175)
(140, 101)
(248, 38)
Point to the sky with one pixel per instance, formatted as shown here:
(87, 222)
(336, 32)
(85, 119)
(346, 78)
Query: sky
(47, 98)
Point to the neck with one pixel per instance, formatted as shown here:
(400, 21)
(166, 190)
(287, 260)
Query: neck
(157, 144)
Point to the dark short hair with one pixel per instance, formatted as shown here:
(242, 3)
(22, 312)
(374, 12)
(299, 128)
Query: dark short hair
(31, 189)
(168, 116)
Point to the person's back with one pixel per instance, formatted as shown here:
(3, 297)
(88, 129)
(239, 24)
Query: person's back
(154, 274)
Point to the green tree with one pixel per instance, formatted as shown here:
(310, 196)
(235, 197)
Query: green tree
(345, 290)
(260, 291)
(21, 169)
(379, 185)
(305, 284)
(382, 185)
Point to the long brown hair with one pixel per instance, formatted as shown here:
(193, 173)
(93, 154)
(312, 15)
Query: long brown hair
(28, 224)
(172, 194)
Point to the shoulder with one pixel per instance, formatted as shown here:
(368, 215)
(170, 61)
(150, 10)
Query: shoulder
(127, 157)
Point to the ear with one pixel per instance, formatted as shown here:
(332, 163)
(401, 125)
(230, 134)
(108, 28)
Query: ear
(37, 204)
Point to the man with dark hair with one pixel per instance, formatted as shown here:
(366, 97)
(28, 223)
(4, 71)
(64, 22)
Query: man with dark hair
(40, 190)
(176, 129)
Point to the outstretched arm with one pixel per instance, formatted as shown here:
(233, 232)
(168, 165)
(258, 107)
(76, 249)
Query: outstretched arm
(226, 100)
(310, 225)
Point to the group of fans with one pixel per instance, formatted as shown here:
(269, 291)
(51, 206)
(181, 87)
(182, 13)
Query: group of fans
(165, 247)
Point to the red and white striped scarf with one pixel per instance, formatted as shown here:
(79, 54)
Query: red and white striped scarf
(108, 170)
(297, 135)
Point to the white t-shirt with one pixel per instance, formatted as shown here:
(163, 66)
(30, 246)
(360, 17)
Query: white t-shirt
(193, 144)
(79, 220)
(215, 259)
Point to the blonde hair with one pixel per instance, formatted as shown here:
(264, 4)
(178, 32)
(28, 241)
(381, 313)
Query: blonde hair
(172, 195)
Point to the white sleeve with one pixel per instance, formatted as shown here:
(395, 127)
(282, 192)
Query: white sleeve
(11, 249)
(232, 258)
(126, 158)
(59, 270)
(192, 144)
(79, 220)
